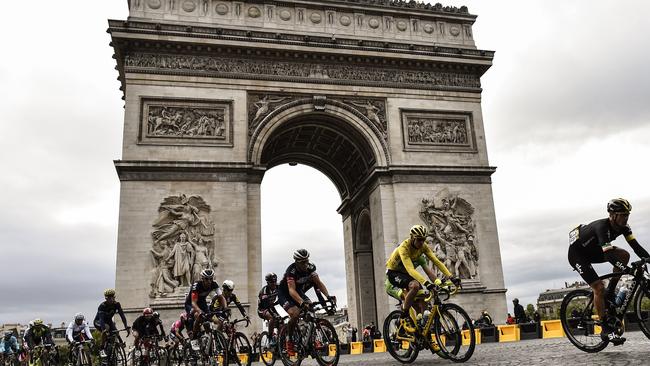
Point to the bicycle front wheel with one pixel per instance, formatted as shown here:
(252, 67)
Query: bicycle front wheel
(118, 356)
(401, 350)
(642, 308)
(326, 343)
(289, 357)
(455, 343)
(267, 353)
(577, 315)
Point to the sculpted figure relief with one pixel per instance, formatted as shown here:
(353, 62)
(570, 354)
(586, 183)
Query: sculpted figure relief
(450, 221)
(185, 122)
(183, 244)
(435, 131)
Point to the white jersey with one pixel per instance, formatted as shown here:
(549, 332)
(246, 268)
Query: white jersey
(74, 329)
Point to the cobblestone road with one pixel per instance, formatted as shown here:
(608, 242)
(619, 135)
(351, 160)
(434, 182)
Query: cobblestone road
(558, 351)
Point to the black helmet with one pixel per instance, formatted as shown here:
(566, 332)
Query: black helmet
(619, 205)
(207, 274)
(301, 255)
(8, 334)
(271, 277)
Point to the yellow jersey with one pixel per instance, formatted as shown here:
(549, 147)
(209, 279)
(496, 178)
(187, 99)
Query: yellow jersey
(403, 256)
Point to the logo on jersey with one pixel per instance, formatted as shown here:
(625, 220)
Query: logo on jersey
(579, 268)
(574, 235)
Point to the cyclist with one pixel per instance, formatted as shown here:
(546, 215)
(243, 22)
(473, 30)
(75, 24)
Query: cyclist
(592, 243)
(396, 292)
(38, 334)
(227, 287)
(267, 299)
(104, 318)
(8, 344)
(176, 330)
(401, 272)
(147, 324)
(78, 329)
(299, 277)
(196, 303)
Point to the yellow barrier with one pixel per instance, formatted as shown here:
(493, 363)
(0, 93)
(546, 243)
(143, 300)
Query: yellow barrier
(378, 345)
(356, 348)
(509, 333)
(406, 344)
(597, 329)
(466, 337)
(332, 350)
(243, 358)
(552, 329)
(268, 356)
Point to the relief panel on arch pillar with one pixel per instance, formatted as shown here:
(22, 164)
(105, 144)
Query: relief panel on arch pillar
(438, 131)
(452, 232)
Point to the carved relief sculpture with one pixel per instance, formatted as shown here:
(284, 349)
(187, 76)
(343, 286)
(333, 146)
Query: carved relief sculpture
(449, 219)
(437, 130)
(183, 244)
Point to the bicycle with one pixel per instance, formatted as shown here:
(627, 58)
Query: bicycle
(312, 336)
(212, 343)
(80, 353)
(238, 347)
(9, 359)
(580, 322)
(439, 331)
(267, 351)
(147, 352)
(44, 355)
(115, 349)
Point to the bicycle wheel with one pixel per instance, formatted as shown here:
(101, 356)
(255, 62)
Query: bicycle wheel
(642, 308)
(266, 352)
(577, 317)
(289, 357)
(401, 350)
(84, 358)
(156, 356)
(240, 351)
(326, 343)
(449, 333)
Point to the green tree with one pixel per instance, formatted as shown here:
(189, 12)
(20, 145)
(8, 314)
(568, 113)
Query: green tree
(530, 311)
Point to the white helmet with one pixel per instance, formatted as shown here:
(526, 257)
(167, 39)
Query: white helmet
(79, 316)
(228, 285)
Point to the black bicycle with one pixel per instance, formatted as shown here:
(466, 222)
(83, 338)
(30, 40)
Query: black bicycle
(267, 344)
(80, 353)
(312, 336)
(580, 321)
(115, 349)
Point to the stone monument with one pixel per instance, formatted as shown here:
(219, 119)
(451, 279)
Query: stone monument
(382, 96)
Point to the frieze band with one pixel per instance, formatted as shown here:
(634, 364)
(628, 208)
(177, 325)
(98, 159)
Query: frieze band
(299, 71)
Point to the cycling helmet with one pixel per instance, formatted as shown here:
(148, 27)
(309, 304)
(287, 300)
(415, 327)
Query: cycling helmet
(271, 277)
(147, 311)
(301, 255)
(207, 274)
(619, 205)
(228, 285)
(38, 321)
(418, 231)
(156, 314)
(8, 335)
(183, 316)
(109, 292)
(79, 316)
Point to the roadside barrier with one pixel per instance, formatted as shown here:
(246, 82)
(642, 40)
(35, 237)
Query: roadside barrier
(552, 329)
(378, 345)
(467, 338)
(509, 333)
(332, 350)
(528, 331)
(489, 334)
(356, 348)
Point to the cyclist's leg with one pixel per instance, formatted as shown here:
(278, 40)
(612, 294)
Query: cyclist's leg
(619, 258)
(581, 259)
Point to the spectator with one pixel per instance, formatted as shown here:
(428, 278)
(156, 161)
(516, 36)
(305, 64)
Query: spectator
(354, 334)
(484, 321)
(510, 319)
(520, 314)
(536, 317)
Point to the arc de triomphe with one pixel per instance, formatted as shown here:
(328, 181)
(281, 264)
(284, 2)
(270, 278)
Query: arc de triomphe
(382, 96)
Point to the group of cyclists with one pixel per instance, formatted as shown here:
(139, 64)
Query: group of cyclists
(589, 244)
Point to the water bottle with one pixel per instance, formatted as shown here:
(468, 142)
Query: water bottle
(620, 297)
(425, 317)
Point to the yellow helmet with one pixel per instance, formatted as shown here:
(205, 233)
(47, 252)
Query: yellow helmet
(109, 292)
(38, 321)
(418, 231)
(619, 205)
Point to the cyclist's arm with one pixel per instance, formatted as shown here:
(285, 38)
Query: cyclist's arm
(239, 305)
(429, 273)
(408, 265)
(87, 332)
(638, 249)
(320, 285)
(429, 253)
(122, 316)
(68, 332)
(291, 284)
(162, 330)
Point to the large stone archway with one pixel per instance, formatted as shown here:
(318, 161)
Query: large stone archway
(382, 97)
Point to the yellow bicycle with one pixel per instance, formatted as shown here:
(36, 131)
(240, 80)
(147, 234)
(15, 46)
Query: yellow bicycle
(443, 328)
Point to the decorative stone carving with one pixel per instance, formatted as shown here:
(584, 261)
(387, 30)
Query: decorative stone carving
(315, 18)
(185, 122)
(454, 31)
(373, 23)
(437, 130)
(371, 110)
(254, 12)
(449, 218)
(154, 4)
(296, 71)
(189, 6)
(183, 244)
(221, 9)
(345, 20)
(401, 25)
(428, 28)
(285, 15)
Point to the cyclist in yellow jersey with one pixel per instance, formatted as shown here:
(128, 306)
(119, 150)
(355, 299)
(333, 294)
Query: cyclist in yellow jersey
(401, 272)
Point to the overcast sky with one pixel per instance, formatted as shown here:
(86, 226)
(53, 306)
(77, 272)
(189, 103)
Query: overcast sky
(566, 115)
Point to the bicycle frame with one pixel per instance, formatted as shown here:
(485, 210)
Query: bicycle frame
(637, 271)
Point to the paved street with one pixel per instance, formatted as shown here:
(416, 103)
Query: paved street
(557, 351)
